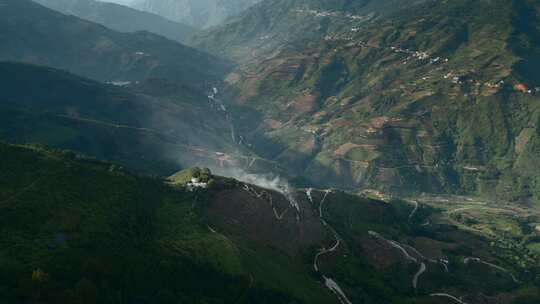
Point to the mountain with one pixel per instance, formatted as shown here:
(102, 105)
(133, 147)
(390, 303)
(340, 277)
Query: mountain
(121, 18)
(197, 13)
(155, 135)
(74, 229)
(398, 96)
(91, 50)
(273, 24)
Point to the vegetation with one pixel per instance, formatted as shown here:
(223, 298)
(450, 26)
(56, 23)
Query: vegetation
(387, 98)
(76, 229)
(398, 96)
(83, 231)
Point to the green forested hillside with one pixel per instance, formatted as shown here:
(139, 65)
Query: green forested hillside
(77, 230)
(406, 134)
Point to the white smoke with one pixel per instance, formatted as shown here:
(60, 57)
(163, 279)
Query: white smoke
(268, 181)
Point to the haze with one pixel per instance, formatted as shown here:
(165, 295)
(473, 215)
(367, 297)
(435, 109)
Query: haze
(124, 2)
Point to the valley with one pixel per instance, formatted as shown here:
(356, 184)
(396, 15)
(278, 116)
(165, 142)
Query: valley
(274, 151)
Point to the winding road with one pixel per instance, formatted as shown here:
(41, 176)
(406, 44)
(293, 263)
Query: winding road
(413, 212)
(328, 282)
(324, 251)
(418, 274)
(421, 260)
(502, 269)
(334, 287)
(445, 295)
(326, 192)
(394, 244)
(277, 215)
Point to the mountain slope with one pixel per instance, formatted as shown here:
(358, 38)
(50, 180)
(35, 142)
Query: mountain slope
(424, 99)
(121, 18)
(157, 135)
(75, 228)
(272, 24)
(27, 30)
(197, 13)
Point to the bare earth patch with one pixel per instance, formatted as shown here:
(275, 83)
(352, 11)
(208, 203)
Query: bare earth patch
(305, 103)
(523, 138)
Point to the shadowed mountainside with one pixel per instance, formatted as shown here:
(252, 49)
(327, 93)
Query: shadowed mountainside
(32, 33)
(149, 133)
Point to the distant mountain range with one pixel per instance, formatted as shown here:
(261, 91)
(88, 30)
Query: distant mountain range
(121, 18)
(94, 51)
(197, 13)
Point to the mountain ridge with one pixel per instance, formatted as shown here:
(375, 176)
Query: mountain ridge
(121, 18)
(200, 13)
(102, 54)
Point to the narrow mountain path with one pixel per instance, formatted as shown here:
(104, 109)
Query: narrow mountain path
(324, 251)
(172, 139)
(279, 216)
(419, 254)
(420, 259)
(21, 192)
(445, 295)
(497, 267)
(482, 208)
(395, 245)
(418, 274)
(110, 124)
(309, 195)
(268, 197)
(328, 282)
(334, 287)
(321, 204)
(251, 162)
(413, 212)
